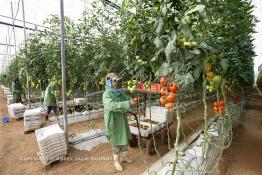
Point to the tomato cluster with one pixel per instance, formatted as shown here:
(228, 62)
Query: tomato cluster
(236, 98)
(220, 104)
(212, 78)
(168, 92)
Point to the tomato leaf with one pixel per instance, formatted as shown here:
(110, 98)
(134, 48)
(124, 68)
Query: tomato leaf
(224, 64)
(159, 26)
(158, 43)
(200, 8)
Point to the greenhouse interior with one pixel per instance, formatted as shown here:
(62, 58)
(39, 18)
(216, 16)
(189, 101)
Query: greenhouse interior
(131, 87)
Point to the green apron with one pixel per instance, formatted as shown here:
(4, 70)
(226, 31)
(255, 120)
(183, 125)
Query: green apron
(16, 91)
(115, 116)
(49, 99)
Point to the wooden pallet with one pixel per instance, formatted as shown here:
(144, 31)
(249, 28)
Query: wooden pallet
(17, 119)
(48, 165)
(29, 131)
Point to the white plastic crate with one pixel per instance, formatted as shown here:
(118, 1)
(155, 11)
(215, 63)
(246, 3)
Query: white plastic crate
(144, 133)
(159, 114)
(80, 101)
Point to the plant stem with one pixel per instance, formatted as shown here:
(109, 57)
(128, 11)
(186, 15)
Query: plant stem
(178, 117)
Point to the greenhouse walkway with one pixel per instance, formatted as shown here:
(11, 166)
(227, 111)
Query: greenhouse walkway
(244, 157)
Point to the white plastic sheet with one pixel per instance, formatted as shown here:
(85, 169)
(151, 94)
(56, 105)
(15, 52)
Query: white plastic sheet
(98, 135)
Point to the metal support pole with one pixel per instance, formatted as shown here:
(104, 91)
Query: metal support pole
(9, 49)
(7, 52)
(27, 74)
(63, 68)
(13, 21)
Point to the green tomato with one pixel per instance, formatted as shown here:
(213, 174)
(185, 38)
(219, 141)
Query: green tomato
(133, 89)
(187, 44)
(183, 40)
(212, 83)
(140, 61)
(217, 78)
(194, 44)
(212, 88)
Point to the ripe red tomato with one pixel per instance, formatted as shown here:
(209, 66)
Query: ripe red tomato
(169, 106)
(216, 104)
(163, 91)
(171, 97)
(163, 81)
(221, 103)
(173, 87)
(163, 100)
(216, 109)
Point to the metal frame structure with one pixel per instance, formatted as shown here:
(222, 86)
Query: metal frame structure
(62, 35)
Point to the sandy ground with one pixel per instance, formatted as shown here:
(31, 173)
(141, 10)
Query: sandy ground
(244, 157)
(18, 150)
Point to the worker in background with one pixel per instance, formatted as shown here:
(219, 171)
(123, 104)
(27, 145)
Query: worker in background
(116, 106)
(50, 99)
(17, 91)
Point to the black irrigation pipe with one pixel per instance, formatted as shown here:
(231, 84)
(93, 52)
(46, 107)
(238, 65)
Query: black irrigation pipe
(110, 3)
(37, 25)
(15, 25)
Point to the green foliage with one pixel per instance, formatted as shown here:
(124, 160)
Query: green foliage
(92, 48)
(186, 34)
(145, 39)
